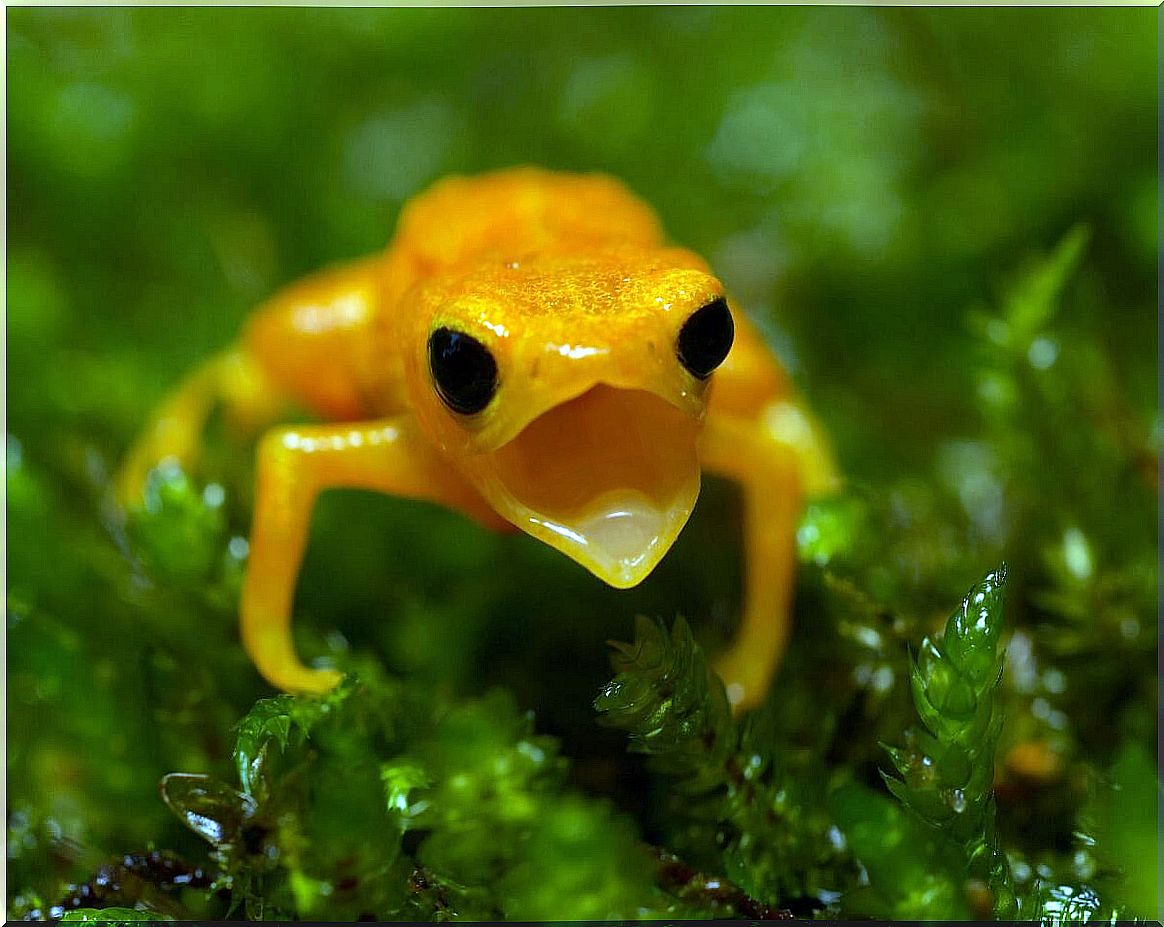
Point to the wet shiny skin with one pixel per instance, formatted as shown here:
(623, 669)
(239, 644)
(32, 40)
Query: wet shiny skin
(594, 442)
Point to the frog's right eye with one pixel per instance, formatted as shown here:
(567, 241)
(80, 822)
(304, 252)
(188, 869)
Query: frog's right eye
(705, 338)
(463, 370)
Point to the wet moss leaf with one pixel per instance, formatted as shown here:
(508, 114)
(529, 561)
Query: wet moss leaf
(269, 721)
(214, 811)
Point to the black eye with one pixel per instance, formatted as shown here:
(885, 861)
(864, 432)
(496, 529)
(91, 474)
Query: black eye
(706, 337)
(463, 370)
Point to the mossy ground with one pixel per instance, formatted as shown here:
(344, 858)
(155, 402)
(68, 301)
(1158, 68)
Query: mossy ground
(944, 220)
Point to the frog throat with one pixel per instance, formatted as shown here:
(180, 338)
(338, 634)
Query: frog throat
(609, 478)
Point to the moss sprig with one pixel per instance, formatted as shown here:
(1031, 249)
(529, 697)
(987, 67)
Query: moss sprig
(947, 767)
(727, 789)
(670, 703)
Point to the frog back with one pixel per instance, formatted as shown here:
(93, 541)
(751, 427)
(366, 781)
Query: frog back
(464, 220)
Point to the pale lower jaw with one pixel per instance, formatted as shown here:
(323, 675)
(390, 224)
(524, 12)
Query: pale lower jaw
(620, 537)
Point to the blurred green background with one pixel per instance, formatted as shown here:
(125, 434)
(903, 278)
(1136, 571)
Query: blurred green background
(867, 182)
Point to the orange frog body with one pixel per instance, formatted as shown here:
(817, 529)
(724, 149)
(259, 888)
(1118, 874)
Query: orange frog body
(531, 352)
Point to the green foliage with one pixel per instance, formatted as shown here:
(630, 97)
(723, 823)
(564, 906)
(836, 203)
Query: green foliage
(111, 916)
(483, 793)
(293, 839)
(610, 875)
(724, 778)
(913, 874)
(829, 528)
(178, 530)
(1034, 299)
(488, 793)
(952, 243)
(947, 770)
(1121, 833)
(668, 700)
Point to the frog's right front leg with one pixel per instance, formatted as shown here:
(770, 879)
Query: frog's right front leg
(296, 464)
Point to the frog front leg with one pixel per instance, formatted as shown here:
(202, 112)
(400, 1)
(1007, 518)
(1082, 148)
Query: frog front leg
(294, 465)
(770, 474)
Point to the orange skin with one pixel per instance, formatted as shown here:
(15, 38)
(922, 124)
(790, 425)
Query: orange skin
(593, 442)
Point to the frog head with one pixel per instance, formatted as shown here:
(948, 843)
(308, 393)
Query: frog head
(569, 390)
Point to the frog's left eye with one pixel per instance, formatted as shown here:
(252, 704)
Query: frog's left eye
(706, 337)
(463, 370)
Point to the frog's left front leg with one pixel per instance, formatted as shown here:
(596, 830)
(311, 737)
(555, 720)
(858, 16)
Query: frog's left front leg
(770, 474)
(294, 465)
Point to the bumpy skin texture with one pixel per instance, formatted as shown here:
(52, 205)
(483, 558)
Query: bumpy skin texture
(593, 442)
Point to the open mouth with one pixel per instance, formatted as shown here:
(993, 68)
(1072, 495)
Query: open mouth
(608, 478)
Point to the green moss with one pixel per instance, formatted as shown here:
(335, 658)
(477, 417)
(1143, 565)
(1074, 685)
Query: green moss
(1119, 840)
(947, 769)
(912, 873)
(962, 281)
(729, 789)
(112, 916)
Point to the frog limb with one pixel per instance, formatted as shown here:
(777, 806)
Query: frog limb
(303, 345)
(233, 378)
(770, 474)
(314, 339)
(294, 465)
